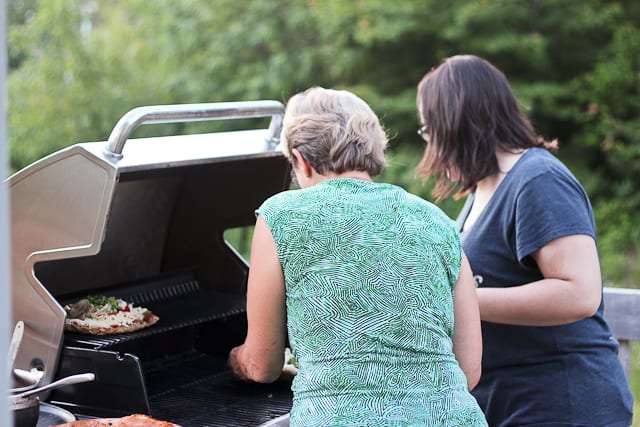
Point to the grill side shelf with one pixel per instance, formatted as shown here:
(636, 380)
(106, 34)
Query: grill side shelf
(178, 300)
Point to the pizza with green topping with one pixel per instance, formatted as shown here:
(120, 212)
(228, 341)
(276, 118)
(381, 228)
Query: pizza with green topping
(102, 315)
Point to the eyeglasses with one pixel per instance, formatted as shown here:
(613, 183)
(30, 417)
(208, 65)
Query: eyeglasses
(424, 133)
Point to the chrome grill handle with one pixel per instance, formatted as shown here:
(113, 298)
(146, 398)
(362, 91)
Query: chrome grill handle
(194, 112)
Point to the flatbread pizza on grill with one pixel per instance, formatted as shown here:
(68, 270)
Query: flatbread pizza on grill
(100, 315)
(135, 420)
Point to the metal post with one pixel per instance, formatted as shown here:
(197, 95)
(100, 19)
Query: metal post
(5, 294)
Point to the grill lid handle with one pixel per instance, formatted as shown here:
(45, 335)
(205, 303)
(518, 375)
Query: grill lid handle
(194, 112)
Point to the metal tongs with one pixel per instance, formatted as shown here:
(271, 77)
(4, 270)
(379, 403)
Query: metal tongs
(73, 379)
(16, 339)
(31, 377)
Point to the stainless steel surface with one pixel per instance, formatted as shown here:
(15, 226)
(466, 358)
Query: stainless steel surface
(193, 112)
(83, 204)
(26, 411)
(167, 152)
(58, 210)
(53, 415)
(5, 296)
(14, 344)
(73, 379)
(281, 421)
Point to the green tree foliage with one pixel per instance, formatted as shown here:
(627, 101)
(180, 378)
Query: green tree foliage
(78, 65)
(610, 135)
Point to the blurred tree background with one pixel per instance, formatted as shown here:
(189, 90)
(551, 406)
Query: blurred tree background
(76, 66)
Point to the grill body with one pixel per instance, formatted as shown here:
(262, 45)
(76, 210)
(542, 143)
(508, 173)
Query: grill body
(145, 221)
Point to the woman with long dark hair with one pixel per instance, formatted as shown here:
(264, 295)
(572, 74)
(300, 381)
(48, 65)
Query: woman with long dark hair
(528, 229)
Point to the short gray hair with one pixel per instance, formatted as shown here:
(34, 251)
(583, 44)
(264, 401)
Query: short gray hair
(335, 130)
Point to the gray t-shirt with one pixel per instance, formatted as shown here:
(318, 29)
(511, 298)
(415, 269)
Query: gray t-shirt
(565, 375)
(369, 272)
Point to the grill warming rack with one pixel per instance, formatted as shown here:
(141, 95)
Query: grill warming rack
(177, 299)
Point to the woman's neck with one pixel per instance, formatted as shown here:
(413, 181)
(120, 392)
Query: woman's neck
(315, 178)
(361, 175)
(506, 161)
(488, 186)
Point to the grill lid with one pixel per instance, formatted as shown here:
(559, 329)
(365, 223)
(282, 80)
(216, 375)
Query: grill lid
(60, 205)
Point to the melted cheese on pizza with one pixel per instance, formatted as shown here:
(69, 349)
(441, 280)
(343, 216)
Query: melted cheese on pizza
(119, 318)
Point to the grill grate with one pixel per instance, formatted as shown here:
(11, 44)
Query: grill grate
(204, 393)
(177, 299)
(186, 383)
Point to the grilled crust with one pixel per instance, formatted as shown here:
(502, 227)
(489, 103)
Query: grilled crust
(135, 420)
(80, 326)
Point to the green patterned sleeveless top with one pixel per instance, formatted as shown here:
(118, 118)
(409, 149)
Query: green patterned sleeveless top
(369, 272)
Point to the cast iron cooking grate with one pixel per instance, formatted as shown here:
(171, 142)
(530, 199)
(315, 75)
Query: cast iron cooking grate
(185, 383)
(201, 391)
(178, 299)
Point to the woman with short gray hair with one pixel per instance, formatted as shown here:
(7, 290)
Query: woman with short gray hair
(365, 278)
(336, 131)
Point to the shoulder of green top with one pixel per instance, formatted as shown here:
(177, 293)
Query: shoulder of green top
(99, 301)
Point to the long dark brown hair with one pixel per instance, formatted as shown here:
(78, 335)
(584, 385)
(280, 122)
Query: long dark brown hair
(469, 110)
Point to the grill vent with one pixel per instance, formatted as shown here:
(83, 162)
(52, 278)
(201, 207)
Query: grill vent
(163, 293)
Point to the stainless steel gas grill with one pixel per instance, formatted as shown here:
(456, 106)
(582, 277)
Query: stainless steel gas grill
(145, 220)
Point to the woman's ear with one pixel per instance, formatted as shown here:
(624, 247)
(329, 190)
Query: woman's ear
(302, 163)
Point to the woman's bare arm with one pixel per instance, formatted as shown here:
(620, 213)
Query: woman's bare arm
(570, 291)
(467, 336)
(261, 357)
